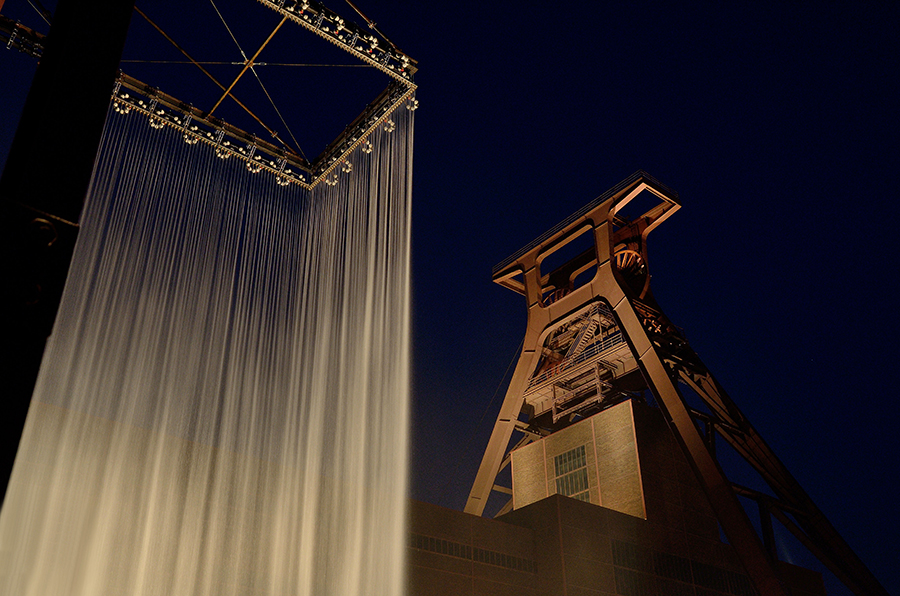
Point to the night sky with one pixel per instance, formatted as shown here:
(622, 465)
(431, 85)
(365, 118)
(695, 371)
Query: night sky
(775, 122)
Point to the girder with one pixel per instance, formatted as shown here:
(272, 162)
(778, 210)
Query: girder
(571, 315)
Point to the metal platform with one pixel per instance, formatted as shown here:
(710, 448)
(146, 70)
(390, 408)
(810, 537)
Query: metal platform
(596, 335)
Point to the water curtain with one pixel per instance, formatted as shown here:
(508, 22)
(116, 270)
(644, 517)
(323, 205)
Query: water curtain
(222, 408)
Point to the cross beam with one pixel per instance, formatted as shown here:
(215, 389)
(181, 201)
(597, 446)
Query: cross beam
(613, 272)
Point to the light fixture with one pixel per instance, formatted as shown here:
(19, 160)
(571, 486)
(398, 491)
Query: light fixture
(194, 125)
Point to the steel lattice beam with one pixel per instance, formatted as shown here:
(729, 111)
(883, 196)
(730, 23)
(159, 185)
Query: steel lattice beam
(667, 363)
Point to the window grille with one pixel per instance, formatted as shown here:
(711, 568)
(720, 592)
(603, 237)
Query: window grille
(571, 474)
(464, 551)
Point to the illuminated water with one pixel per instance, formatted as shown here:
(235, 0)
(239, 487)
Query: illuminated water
(222, 408)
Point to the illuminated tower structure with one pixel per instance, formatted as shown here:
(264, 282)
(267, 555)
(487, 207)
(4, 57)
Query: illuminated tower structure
(609, 404)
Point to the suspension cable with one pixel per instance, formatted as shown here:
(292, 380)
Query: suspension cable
(40, 9)
(214, 80)
(477, 427)
(373, 27)
(255, 64)
(249, 63)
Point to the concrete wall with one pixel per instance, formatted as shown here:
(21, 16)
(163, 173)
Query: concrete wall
(452, 553)
(555, 545)
(562, 546)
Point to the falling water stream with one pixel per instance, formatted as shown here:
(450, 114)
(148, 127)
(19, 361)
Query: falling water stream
(222, 406)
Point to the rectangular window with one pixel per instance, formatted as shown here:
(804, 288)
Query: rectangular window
(631, 583)
(633, 556)
(464, 551)
(709, 576)
(672, 566)
(570, 460)
(571, 474)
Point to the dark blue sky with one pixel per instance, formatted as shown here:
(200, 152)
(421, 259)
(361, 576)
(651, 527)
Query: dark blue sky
(776, 123)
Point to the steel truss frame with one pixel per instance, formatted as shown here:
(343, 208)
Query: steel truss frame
(229, 141)
(668, 366)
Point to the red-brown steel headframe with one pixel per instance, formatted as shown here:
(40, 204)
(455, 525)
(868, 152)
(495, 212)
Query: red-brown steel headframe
(607, 285)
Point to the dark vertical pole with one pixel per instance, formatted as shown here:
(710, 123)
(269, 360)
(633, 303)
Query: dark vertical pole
(43, 188)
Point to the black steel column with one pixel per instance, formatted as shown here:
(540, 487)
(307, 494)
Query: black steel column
(43, 187)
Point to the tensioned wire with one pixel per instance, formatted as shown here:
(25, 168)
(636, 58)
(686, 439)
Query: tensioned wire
(258, 80)
(232, 63)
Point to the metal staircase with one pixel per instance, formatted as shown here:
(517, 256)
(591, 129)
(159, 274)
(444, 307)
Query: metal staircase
(595, 335)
